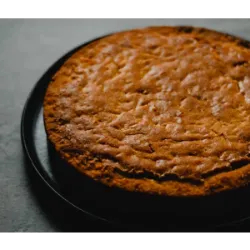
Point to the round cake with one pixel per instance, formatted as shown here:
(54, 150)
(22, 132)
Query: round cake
(159, 110)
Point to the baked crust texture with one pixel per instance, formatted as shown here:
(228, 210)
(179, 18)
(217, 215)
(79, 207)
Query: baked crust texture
(159, 110)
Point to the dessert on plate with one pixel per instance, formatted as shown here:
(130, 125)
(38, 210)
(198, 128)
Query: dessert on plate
(159, 110)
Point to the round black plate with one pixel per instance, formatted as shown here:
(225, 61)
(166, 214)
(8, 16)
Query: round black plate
(155, 214)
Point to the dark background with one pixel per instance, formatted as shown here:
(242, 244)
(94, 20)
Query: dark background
(27, 49)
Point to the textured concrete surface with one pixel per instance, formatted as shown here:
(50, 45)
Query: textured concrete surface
(27, 49)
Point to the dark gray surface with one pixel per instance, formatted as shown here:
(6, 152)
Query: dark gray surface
(27, 49)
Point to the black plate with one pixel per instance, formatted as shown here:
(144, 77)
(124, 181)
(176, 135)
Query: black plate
(135, 211)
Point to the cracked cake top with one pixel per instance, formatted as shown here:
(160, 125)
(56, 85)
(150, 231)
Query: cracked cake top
(163, 110)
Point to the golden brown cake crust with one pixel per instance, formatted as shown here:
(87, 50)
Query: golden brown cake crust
(161, 110)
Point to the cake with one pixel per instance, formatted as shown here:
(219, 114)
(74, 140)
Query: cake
(158, 110)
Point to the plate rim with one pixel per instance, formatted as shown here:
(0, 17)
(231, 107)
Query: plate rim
(29, 153)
